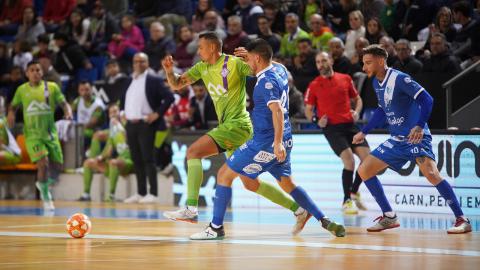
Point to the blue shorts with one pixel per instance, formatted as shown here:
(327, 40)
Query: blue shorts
(254, 158)
(397, 153)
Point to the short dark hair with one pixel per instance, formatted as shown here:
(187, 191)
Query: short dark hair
(112, 62)
(261, 47)
(440, 35)
(83, 81)
(212, 37)
(60, 35)
(43, 38)
(33, 62)
(199, 83)
(306, 40)
(262, 16)
(463, 7)
(375, 50)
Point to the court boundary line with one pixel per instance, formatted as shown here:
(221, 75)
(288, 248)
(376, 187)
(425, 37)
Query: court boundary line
(432, 251)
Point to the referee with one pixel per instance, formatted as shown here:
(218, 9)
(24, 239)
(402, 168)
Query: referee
(331, 93)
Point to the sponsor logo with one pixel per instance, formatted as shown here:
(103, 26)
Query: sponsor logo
(216, 91)
(243, 147)
(252, 168)
(36, 108)
(380, 149)
(268, 85)
(388, 144)
(263, 157)
(407, 80)
(396, 121)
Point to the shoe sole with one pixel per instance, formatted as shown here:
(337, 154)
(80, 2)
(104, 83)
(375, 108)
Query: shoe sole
(379, 230)
(467, 231)
(192, 221)
(350, 213)
(207, 239)
(303, 225)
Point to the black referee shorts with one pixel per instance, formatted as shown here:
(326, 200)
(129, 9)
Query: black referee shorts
(340, 137)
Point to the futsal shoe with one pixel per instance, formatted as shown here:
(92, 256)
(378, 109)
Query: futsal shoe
(85, 198)
(384, 223)
(149, 199)
(334, 228)
(301, 216)
(133, 199)
(462, 225)
(183, 214)
(349, 208)
(358, 201)
(209, 233)
(45, 195)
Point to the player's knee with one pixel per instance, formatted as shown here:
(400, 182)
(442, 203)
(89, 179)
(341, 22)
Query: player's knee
(193, 152)
(349, 163)
(432, 175)
(113, 162)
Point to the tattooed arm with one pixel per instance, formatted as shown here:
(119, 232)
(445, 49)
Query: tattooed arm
(175, 81)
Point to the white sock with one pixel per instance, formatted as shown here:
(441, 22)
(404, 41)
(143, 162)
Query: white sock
(389, 214)
(193, 209)
(215, 226)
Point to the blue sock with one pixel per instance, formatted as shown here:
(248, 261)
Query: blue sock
(377, 192)
(302, 198)
(223, 195)
(447, 193)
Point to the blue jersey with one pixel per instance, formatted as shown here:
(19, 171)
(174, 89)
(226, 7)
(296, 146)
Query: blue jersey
(270, 87)
(281, 71)
(396, 96)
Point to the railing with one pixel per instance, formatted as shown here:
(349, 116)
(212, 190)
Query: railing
(448, 86)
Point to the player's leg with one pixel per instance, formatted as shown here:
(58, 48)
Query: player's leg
(95, 145)
(223, 195)
(38, 153)
(361, 152)
(428, 167)
(117, 167)
(89, 166)
(348, 161)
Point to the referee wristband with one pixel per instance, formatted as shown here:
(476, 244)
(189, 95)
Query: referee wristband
(315, 119)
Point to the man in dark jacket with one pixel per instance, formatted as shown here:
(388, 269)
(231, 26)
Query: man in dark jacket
(202, 109)
(441, 59)
(159, 45)
(406, 61)
(70, 57)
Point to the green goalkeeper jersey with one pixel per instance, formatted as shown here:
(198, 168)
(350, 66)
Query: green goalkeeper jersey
(225, 81)
(38, 114)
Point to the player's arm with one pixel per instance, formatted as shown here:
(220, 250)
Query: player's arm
(425, 101)
(67, 110)
(175, 81)
(277, 118)
(377, 119)
(309, 113)
(95, 119)
(357, 107)
(12, 110)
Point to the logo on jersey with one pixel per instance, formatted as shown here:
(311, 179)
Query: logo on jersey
(388, 95)
(252, 168)
(225, 72)
(268, 85)
(101, 94)
(263, 157)
(216, 91)
(36, 108)
(395, 121)
(407, 80)
(243, 147)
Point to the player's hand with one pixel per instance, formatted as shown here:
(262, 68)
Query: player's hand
(416, 135)
(358, 138)
(323, 121)
(167, 63)
(151, 117)
(355, 115)
(68, 116)
(280, 152)
(241, 52)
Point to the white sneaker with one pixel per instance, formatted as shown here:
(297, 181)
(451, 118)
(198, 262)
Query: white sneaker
(149, 199)
(384, 223)
(302, 219)
(183, 214)
(462, 225)
(133, 199)
(48, 206)
(209, 233)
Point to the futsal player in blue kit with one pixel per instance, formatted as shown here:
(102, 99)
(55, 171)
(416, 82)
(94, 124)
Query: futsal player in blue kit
(268, 150)
(406, 106)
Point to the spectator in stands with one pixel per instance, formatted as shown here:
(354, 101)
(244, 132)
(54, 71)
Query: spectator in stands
(389, 45)
(102, 28)
(5, 62)
(43, 43)
(340, 62)
(88, 110)
(418, 15)
(146, 101)
(374, 30)
(30, 28)
(248, 12)
(202, 109)
(178, 116)
(443, 24)
(295, 100)
(49, 73)
(468, 36)
(275, 16)
(56, 12)
(406, 62)
(441, 59)
(158, 46)
(197, 19)
(77, 26)
(128, 42)
(357, 59)
(392, 16)
(236, 37)
(117, 8)
(12, 82)
(70, 56)
(303, 66)
(340, 15)
(357, 29)
(115, 85)
(22, 54)
(11, 14)
(320, 34)
(288, 46)
(210, 20)
(183, 57)
(371, 8)
(266, 33)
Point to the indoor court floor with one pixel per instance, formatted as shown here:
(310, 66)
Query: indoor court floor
(138, 237)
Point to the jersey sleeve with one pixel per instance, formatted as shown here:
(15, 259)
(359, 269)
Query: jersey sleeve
(310, 98)
(409, 86)
(17, 98)
(57, 95)
(352, 91)
(195, 72)
(270, 90)
(243, 67)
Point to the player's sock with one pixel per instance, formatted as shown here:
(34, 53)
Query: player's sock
(447, 193)
(276, 195)
(223, 195)
(347, 179)
(113, 174)
(87, 179)
(194, 180)
(95, 148)
(376, 189)
(302, 198)
(356, 183)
